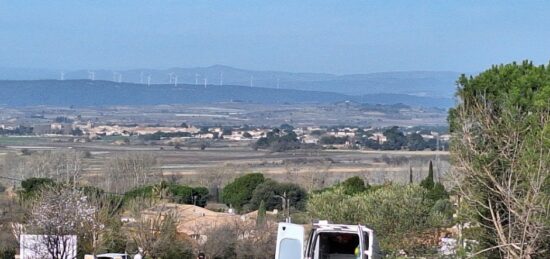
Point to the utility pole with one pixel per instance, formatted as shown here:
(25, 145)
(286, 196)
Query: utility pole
(285, 206)
(437, 161)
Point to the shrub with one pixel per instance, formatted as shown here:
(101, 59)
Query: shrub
(354, 185)
(400, 214)
(239, 192)
(32, 185)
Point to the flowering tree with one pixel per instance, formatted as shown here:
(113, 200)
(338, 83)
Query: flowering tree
(59, 213)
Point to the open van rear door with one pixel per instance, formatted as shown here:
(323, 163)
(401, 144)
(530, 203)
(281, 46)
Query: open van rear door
(363, 245)
(290, 241)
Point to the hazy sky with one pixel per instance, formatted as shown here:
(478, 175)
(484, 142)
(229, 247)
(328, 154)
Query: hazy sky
(345, 36)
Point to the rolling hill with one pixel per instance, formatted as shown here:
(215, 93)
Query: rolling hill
(420, 83)
(99, 92)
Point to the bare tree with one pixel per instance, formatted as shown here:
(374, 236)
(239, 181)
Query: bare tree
(64, 166)
(241, 239)
(155, 232)
(130, 170)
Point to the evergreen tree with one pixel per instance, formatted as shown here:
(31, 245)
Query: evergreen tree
(410, 175)
(428, 182)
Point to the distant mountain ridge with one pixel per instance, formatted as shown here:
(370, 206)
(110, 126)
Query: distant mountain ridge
(104, 93)
(419, 83)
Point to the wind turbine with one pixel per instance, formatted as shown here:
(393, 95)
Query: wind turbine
(149, 80)
(62, 75)
(117, 77)
(91, 75)
(196, 79)
(175, 80)
(170, 75)
(205, 82)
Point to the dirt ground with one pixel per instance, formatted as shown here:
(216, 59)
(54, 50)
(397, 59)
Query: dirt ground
(195, 166)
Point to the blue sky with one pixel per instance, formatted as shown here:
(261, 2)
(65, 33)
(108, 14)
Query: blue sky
(346, 36)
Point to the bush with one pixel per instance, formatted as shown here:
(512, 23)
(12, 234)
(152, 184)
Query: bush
(354, 185)
(239, 192)
(139, 192)
(8, 253)
(278, 141)
(436, 191)
(399, 214)
(333, 140)
(176, 193)
(33, 185)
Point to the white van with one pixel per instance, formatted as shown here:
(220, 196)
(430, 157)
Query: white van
(326, 241)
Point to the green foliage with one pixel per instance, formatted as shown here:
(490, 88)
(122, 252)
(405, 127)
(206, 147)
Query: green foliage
(436, 191)
(501, 141)
(398, 213)
(445, 209)
(177, 193)
(395, 140)
(169, 245)
(416, 142)
(270, 192)
(286, 127)
(163, 135)
(32, 185)
(512, 86)
(8, 253)
(180, 193)
(278, 141)
(139, 192)
(333, 140)
(201, 195)
(113, 240)
(239, 192)
(428, 182)
(354, 185)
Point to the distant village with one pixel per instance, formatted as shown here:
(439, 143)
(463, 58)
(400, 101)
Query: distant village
(334, 137)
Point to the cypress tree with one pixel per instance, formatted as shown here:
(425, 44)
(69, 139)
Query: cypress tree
(410, 175)
(428, 182)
